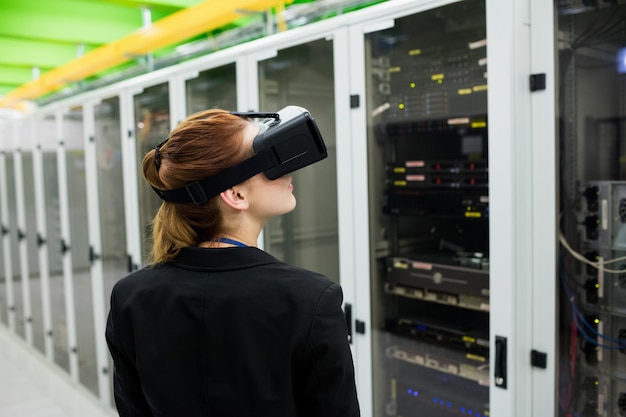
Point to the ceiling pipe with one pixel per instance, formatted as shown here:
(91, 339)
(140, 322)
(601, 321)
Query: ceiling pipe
(187, 23)
(146, 23)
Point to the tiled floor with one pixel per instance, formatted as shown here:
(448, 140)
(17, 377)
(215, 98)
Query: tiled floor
(31, 387)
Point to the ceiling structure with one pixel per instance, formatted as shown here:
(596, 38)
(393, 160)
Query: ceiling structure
(37, 38)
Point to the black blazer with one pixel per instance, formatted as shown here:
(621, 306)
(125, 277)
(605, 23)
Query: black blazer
(230, 332)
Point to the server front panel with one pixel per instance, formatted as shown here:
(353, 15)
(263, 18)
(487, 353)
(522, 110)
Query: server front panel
(429, 212)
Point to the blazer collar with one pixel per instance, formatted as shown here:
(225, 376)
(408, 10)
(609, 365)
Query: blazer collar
(196, 258)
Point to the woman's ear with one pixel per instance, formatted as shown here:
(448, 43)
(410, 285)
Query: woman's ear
(234, 199)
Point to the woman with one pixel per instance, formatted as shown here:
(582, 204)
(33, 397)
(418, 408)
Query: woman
(215, 326)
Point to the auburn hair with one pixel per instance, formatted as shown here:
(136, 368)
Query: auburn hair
(202, 145)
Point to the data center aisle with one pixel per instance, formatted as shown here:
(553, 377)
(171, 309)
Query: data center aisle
(30, 387)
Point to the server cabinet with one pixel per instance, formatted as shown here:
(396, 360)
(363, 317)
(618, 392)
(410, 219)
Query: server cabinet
(110, 257)
(49, 138)
(15, 286)
(3, 299)
(16, 309)
(25, 207)
(308, 68)
(152, 125)
(4, 319)
(43, 251)
(7, 199)
(427, 150)
(109, 159)
(213, 88)
(78, 283)
(591, 54)
(303, 75)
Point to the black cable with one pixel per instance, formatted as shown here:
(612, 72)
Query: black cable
(609, 28)
(580, 37)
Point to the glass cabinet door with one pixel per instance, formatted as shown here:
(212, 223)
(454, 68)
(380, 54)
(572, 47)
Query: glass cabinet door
(152, 126)
(114, 257)
(4, 312)
(108, 141)
(73, 133)
(30, 232)
(591, 61)
(308, 236)
(48, 140)
(14, 282)
(212, 89)
(10, 267)
(429, 213)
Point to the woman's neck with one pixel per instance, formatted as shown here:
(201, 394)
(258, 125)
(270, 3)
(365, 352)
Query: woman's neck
(228, 241)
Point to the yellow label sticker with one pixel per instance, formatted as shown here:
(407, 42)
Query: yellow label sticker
(473, 214)
(476, 358)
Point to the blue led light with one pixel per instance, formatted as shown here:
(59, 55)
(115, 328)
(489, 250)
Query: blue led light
(442, 402)
(415, 393)
(462, 409)
(470, 412)
(435, 400)
(449, 405)
(621, 61)
(410, 391)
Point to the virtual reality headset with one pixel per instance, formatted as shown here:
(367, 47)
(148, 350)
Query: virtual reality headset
(287, 141)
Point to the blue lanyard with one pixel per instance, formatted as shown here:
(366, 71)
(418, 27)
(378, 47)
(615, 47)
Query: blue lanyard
(232, 242)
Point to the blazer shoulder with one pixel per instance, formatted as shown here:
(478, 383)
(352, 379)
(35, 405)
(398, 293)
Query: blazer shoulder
(138, 279)
(310, 279)
(330, 300)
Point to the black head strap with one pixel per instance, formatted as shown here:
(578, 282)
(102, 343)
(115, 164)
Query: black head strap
(200, 191)
(256, 115)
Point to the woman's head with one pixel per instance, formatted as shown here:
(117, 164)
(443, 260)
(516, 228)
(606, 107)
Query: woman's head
(202, 145)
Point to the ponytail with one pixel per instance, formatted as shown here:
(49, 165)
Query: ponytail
(202, 145)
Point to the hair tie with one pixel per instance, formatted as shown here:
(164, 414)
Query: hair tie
(157, 155)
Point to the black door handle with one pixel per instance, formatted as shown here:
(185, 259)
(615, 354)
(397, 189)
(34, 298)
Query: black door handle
(500, 362)
(64, 247)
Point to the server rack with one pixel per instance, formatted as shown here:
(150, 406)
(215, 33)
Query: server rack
(591, 41)
(593, 335)
(429, 212)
